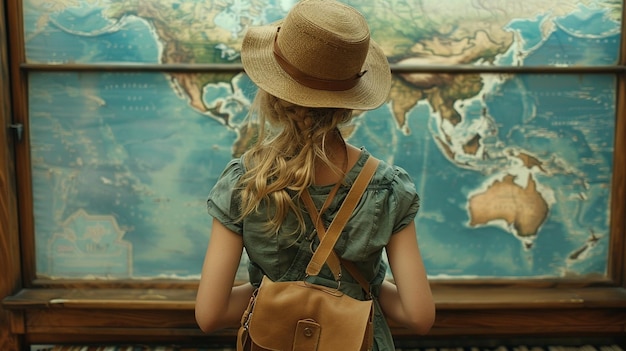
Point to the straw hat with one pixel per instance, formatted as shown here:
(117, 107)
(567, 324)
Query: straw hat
(319, 55)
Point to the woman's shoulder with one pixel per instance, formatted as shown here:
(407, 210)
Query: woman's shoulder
(387, 174)
(233, 170)
(229, 178)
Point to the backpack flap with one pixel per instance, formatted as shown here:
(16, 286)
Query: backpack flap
(310, 317)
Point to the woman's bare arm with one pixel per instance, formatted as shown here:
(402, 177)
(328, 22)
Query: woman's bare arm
(409, 301)
(218, 303)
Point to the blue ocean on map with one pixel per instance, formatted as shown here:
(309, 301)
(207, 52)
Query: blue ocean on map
(128, 146)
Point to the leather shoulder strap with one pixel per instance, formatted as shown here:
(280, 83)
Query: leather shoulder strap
(333, 261)
(345, 211)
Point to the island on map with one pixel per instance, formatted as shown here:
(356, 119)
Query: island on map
(523, 209)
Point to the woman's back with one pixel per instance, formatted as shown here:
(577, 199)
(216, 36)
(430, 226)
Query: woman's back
(388, 204)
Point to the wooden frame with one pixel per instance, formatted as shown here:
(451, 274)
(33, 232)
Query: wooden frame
(9, 238)
(46, 311)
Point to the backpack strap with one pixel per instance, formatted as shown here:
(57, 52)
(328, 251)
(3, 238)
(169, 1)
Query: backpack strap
(328, 240)
(334, 262)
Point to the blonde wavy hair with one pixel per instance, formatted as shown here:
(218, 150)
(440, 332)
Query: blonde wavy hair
(291, 138)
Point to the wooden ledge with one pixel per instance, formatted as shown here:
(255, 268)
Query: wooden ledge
(126, 299)
(74, 315)
(495, 298)
(446, 298)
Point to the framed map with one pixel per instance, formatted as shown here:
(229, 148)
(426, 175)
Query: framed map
(514, 167)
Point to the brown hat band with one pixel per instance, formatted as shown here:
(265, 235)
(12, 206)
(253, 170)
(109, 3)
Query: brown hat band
(310, 81)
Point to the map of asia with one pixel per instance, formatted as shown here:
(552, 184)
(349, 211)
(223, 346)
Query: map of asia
(514, 170)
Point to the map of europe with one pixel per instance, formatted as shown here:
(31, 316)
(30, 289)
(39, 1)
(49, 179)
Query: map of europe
(514, 170)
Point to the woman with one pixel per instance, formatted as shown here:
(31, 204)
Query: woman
(313, 69)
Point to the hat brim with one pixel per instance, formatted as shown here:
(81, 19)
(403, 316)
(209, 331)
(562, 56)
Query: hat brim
(259, 63)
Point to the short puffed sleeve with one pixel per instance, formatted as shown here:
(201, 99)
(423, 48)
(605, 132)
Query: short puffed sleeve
(407, 201)
(224, 201)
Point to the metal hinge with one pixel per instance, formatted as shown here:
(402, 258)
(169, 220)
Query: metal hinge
(19, 130)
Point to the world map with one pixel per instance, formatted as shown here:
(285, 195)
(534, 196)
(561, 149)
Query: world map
(514, 170)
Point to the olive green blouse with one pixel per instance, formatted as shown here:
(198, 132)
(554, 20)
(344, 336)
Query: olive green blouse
(389, 204)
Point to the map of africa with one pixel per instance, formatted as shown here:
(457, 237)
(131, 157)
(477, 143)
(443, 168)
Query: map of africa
(514, 170)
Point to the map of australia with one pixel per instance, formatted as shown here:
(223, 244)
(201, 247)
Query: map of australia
(513, 169)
